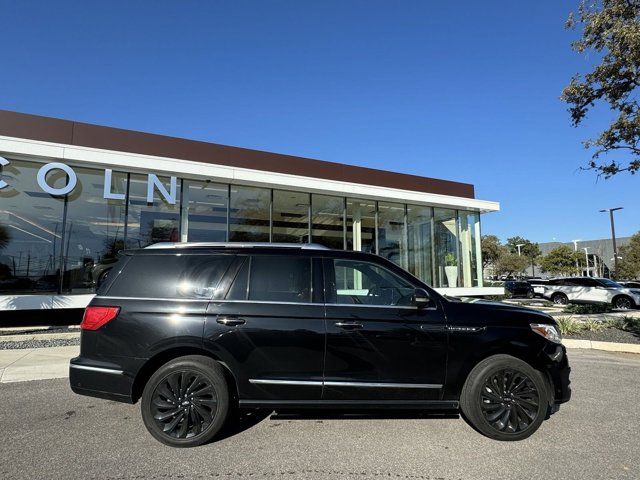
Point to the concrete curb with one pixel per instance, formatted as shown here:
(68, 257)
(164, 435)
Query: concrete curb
(607, 346)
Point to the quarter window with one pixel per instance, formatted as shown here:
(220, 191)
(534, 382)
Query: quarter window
(364, 283)
(174, 276)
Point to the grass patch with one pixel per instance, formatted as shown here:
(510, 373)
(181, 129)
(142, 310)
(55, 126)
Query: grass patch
(588, 308)
(628, 324)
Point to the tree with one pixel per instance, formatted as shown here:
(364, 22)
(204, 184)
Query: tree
(528, 249)
(560, 261)
(611, 30)
(491, 250)
(510, 263)
(629, 265)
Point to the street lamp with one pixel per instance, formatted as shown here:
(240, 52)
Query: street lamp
(520, 245)
(613, 238)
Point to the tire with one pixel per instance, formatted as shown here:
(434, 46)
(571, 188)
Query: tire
(530, 294)
(186, 401)
(560, 299)
(507, 414)
(623, 302)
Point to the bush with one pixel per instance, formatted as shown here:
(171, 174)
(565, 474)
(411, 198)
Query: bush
(594, 326)
(628, 324)
(588, 308)
(569, 326)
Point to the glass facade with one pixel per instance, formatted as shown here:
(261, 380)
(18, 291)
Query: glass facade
(65, 243)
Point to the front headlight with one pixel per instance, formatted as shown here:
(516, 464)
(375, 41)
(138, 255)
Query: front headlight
(549, 332)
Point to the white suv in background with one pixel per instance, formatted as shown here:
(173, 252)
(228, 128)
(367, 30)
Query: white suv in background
(562, 291)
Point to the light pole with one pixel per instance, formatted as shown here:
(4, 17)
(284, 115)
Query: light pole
(613, 238)
(586, 257)
(519, 245)
(575, 249)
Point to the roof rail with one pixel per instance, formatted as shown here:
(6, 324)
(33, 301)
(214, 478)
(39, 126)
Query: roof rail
(302, 246)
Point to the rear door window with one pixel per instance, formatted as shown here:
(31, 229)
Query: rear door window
(171, 276)
(273, 278)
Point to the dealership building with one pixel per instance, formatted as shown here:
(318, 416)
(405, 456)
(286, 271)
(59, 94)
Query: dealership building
(72, 195)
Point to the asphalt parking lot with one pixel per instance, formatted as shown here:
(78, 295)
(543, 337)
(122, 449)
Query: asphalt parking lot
(48, 432)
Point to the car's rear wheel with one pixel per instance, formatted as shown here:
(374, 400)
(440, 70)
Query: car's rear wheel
(623, 303)
(505, 398)
(186, 401)
(560, 299)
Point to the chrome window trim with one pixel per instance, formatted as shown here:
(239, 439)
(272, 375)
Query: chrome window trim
(266, 381)
(331, 383)
(267, 302)
(97, 369)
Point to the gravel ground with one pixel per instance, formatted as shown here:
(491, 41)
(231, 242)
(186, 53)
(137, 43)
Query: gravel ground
(607, 335)
(43, 331)
(63, 342)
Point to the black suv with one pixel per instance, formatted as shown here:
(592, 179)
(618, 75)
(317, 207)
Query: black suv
(196, 329)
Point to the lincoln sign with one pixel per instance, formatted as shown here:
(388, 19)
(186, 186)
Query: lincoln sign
(153, 182)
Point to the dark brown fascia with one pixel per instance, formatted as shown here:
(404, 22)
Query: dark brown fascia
(34, 127)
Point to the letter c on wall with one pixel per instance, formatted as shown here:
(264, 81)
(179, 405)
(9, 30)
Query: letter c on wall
(4, 162)
(42, 178)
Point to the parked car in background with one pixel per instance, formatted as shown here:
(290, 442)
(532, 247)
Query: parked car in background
(634, 284)
(518, 289)
(193, 330)
(562, 291)
(538, 285)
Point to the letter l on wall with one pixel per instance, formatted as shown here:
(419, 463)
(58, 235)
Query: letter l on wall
(108, 194)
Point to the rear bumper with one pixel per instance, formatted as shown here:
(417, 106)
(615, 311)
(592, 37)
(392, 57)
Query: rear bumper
(100, 379)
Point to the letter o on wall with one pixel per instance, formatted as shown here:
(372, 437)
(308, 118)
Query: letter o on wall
(3, 162)
(42, 179)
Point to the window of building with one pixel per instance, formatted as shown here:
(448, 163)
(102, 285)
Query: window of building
(175, 276)
(205, 207)
(361, 225)
(419, 242)
(31, 233)
(446, 247)
(327, 224)
(470, 248)
(290, 283)
(94, 230)
(249, 214)
(364, 283)
(392, 243)
(152, 222)
(290, 217)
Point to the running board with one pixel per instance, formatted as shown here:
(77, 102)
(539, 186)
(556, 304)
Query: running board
(353, 404)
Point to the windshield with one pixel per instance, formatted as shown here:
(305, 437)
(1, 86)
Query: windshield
(609, 283)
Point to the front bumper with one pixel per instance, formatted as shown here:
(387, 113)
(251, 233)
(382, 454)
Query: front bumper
(100, 379)
(558, 370)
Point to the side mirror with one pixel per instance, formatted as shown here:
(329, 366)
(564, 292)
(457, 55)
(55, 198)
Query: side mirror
(421, 298)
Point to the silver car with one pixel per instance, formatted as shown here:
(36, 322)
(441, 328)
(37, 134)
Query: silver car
(562, 291)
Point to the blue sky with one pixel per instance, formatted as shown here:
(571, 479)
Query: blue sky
(465, 91)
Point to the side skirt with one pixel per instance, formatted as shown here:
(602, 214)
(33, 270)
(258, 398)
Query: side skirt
(353, 404)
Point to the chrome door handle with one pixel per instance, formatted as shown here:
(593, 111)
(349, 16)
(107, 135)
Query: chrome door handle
(348, 325)
(230, 321)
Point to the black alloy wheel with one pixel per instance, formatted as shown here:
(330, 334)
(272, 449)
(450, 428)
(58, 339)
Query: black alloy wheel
(623, 303)
(505, 398)
(510, 400)
(185, 402)
(560, 299)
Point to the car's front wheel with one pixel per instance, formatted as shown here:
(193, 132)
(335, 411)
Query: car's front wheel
(505, 398)
(185, 402)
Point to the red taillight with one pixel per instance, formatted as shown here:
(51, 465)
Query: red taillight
(95, 317)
